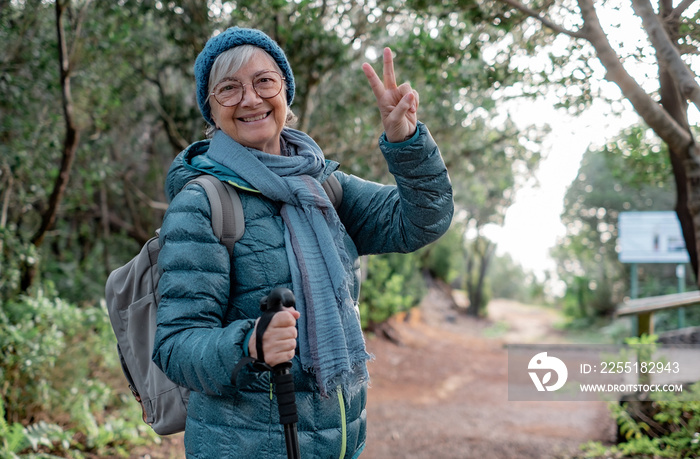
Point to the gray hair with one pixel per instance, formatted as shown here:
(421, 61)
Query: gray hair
(230, 62)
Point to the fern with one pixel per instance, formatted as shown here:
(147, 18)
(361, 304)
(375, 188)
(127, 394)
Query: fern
(12, 435)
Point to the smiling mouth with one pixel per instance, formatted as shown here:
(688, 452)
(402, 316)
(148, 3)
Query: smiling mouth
(255, 118)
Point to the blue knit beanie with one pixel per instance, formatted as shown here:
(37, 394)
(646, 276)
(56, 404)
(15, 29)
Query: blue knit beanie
(230, 38)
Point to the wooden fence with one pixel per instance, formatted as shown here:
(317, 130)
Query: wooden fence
(644, 308)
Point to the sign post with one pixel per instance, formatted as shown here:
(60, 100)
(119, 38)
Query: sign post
(652, 237)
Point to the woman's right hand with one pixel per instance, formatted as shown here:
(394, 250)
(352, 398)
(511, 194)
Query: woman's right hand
(398, 105)
(279, 340)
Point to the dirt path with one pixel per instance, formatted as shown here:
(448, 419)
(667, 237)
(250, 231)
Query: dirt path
(443, 393)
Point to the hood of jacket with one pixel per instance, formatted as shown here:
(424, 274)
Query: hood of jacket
(193, 162)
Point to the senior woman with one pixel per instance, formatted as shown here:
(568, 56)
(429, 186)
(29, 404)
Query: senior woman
(294, 238)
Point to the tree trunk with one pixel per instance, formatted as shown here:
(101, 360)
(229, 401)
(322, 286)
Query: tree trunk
(70, 146)
(692, 173)
(483, 268)
(675, 104)
(473, 308)
(475, 286)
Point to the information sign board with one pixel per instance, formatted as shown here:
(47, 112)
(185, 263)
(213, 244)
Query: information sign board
(650, 237)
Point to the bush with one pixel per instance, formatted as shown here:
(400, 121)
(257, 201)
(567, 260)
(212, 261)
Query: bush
(668, 428)
(679, 422)
(393, 284)
(54, 360)
(14, 255)
(444, 259)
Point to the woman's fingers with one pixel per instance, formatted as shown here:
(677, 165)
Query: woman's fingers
(406, 89)
(404, 106)
(389, 76)
(389, 81)
(280, 338)
(398, 105)
(374, 82)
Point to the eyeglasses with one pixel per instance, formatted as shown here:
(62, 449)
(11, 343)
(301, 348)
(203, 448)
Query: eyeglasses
(230, 91)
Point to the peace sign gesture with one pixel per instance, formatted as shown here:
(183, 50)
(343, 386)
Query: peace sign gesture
(398, 105)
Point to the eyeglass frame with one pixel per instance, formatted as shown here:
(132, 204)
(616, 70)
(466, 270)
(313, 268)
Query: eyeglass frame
(252, 84)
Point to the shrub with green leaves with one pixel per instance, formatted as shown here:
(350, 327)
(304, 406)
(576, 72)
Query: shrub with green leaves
(676, 432)
(393, 284)
(444, 258)
(56, 360)
(670, 427)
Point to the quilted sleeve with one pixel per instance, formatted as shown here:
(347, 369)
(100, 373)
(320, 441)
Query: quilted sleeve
(406, 216)
(192, 346)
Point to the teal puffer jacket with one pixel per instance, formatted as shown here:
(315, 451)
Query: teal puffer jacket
(209, 302)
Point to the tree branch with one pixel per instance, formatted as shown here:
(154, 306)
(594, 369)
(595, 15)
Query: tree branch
(666, 52)
(654, 115)
(72, 137)
(155, 205)
(546, 22)
(82, 14)
(682, 6)
(176, 140)
(135, 232)
(9, 181)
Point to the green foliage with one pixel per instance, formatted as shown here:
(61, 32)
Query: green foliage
(132, 85)
(54, 360)
(444, 258)
(510, 280)
(669, 426)
(669, 320)
(612, 179)
(13, 436)
(393, 284)
(13, 253)
(43, 335)
(677, 435)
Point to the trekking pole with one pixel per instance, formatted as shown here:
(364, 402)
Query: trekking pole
(284, 379)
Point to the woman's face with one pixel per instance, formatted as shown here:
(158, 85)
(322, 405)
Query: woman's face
(254, 122)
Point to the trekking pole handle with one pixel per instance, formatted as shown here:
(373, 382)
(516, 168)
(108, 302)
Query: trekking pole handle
(277, 299)
(284, 380)
(270, 305)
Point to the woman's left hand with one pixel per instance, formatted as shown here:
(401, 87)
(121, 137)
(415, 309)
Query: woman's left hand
(398, 105)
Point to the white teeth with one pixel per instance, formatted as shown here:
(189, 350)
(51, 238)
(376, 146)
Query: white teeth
(255, 118)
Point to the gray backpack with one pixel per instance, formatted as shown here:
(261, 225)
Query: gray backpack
(132, 297)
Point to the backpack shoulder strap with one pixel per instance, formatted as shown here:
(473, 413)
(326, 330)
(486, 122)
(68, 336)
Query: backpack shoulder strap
(334, 190)
(227, 218)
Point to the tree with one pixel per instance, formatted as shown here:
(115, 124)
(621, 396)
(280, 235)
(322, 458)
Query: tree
(510, 280)
(623, 175)
(672, 34)
(497, 160)
(132, 89)
(70, 141)
(69, 222)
